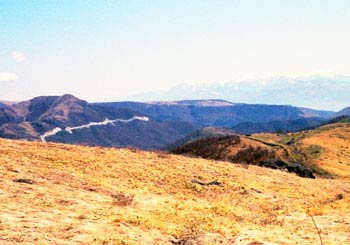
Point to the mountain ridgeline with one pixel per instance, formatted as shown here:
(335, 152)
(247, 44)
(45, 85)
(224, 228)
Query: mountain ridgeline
(219, 113)
(33, 119)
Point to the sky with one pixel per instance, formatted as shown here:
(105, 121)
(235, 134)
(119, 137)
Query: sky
(108, 50)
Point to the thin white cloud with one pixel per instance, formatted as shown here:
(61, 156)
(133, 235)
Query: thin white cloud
(18, 56)
(8, 77)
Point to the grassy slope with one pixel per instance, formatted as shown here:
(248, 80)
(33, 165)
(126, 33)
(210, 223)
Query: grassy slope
(327, 148)
(80, 195)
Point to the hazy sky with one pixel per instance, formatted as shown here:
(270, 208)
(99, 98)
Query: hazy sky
(106, 50)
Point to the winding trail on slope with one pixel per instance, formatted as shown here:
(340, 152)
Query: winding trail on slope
(105, 122)
(274, 145)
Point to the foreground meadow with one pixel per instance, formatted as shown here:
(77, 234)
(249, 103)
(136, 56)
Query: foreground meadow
(63, 194)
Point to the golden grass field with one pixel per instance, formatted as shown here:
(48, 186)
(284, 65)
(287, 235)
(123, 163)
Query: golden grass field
(95, 195)
(327, 147)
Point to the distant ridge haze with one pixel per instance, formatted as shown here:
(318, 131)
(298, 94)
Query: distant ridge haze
(318, 92)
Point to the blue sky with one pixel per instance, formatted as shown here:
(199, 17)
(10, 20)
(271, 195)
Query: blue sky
(107, 50)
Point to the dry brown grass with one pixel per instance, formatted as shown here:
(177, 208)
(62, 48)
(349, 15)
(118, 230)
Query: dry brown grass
(327, 148)
(231, 148)
(75, 189)
(335, 153)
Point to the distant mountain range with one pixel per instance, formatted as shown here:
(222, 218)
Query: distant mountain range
(149, 125)
(327, 92)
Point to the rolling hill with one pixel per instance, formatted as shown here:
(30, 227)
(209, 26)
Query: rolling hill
(55, 193)
(68, 119)
(325, 150)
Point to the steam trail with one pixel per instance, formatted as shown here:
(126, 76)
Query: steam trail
(50, 133)
(105, 122)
